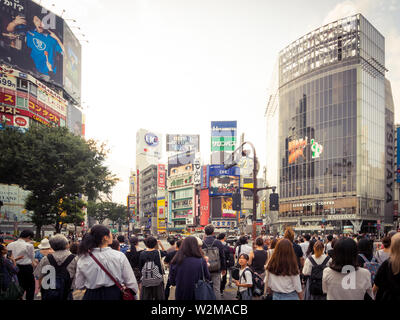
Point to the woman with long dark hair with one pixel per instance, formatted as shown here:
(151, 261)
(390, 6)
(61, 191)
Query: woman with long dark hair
(133, 257)
(89, 274)
(343, 279)
(387, 279)
(283, 274)
(187, 268)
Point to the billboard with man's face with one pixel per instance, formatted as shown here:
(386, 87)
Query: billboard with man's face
(32, 40)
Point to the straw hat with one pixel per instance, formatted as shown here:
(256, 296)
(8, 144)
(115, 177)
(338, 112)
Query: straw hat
(44, 244)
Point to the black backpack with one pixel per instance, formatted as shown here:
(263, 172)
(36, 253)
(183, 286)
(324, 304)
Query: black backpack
(316, 276)
(63, 280)
(257, 289)
(230, 258)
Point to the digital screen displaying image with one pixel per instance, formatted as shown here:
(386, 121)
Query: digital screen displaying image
(31, 38)
(223, 185)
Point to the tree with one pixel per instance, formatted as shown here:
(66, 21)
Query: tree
(119, 214)
(53, 164)
(99, 211)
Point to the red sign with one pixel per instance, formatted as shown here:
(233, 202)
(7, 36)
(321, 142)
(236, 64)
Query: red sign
(161, 176)
(204, 207)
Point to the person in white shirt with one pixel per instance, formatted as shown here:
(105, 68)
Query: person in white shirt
(328, 245)
(316, 259)
(24, 251)
(304, 245)
(343, 279)
(245, 281)
(283, 274)
(243, 247)
(89, 275)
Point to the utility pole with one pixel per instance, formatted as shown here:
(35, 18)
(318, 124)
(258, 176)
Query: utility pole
(255, 189)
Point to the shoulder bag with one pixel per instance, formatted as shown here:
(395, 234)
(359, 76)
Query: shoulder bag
(203, 289)
(127, 293)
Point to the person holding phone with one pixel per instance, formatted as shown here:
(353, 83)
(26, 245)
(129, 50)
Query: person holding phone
(8, 268)
(24, 251)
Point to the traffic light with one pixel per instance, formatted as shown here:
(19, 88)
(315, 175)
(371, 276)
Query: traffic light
(274, 202)
(236, 201)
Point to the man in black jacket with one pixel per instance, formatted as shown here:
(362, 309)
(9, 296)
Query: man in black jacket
(208, 241)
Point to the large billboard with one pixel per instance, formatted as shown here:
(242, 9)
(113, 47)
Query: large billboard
(39, 42)
(182, 142)
(74, 120)
(223, 135)
(223, 182)
(72, 64)
(148, 143)
(181, 163)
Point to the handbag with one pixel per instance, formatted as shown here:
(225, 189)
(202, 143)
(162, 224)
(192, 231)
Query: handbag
(267, 295)
(127, 293)
(203, 289)
(13, 292)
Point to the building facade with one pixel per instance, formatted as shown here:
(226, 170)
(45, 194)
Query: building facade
(336, 138)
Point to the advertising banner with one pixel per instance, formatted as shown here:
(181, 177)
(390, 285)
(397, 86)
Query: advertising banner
(181, 163)
(181, 143)
(161, 176)
(74, 120)
(204, 177)
(131, 202)
(161, 208)
(226, 208)
(223, 135)
(72, 64)
(148, 143)
(223, 182)
(132, 184)
(197, 172)
(32, 39)
(204, 207)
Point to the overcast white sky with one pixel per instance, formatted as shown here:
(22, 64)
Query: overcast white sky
(173, 66)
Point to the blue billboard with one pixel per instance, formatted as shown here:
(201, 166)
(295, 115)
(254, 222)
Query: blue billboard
(223, 182)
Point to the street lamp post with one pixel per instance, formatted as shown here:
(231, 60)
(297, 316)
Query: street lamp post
(254, 190)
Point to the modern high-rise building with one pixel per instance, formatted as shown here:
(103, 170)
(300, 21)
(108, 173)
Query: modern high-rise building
(333, 109)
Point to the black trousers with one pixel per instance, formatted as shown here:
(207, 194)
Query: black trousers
(167, 289)
(26, 280)
(103, 293)
(223, 282)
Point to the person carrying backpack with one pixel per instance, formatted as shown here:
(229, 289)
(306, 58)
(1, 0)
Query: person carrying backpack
(64, 263)
(366, 257)
(313, 271)
(230, 260)
(152, 270)
(245, 282)
(214, 250)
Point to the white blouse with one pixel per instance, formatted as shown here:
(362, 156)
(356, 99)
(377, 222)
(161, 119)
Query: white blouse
(283, 284)
(90, 276)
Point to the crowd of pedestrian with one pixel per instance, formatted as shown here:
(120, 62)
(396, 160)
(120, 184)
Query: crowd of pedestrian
(101, 267)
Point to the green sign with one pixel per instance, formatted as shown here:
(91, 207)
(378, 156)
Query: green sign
(223, 143)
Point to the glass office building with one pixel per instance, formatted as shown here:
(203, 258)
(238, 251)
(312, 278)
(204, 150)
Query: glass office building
(335, 113)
